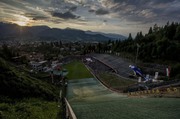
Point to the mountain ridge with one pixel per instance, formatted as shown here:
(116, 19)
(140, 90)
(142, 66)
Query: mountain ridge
(110, 35)
(46, 33)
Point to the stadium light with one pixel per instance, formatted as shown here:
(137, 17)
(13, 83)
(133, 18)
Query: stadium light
(138, 46)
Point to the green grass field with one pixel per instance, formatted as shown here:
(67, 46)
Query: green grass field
(90, 100)
(114, 81)
(77, 70)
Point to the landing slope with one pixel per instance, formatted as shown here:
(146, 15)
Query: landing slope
(90, 100)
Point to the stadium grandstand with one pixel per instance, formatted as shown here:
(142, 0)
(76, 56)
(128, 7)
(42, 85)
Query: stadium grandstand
(98, 66)
(119, 65)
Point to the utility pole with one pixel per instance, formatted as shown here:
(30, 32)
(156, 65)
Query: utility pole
(52, 77)
(138, 46)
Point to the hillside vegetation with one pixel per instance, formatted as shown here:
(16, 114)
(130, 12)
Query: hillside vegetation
(18, 84)
(23, 96)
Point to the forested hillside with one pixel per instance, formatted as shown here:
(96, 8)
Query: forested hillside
(161, 43)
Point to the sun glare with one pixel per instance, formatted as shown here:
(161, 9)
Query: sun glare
(21, 23)
(21, 20)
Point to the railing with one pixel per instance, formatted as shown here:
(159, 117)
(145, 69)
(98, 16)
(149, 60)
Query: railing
(69, 112)
(162, 91)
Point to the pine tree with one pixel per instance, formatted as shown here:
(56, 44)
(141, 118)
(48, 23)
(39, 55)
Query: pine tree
(130, 37)
(150, 31)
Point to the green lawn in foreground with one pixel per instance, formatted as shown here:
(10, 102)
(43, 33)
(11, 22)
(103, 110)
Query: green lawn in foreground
(77, 70)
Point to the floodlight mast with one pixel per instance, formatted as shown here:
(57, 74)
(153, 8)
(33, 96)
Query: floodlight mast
(138, 46)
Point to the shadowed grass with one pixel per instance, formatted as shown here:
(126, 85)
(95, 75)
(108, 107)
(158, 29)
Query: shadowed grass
(114, 81)
(30, 109)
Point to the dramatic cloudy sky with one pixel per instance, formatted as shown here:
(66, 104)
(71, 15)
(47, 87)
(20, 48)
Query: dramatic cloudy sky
(111, 16)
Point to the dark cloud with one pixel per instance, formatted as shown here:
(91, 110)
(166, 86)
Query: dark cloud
(73, 8)
(66, 15)
(35, 16)
(141, 2)
(145, 10)
(91, 10)
(101, 12)
(39, 18)
(162, 1)
(70, 8)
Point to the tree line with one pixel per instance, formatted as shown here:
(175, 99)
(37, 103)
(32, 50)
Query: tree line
(159, 45)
